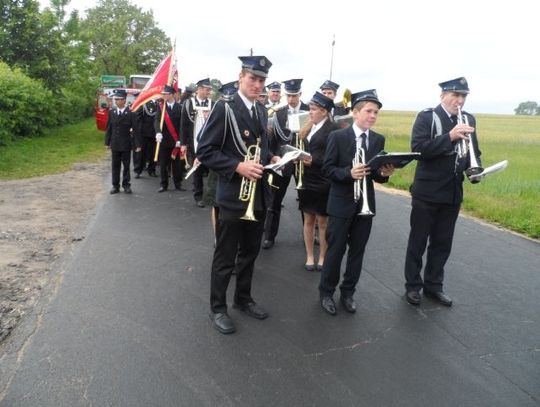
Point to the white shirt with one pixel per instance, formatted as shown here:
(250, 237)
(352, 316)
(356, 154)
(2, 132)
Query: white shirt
(249, 104)
(358, 132)
(315, 128)
(121, 111)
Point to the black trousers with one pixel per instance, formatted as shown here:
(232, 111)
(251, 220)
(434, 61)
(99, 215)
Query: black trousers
(436, 222)
(340, 233)
(119, 159)
(273, 214)
(145, 158)
(178, 168)
(198, 182)
(237, 245)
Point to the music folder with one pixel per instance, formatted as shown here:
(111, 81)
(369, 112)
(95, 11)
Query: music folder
(398, 160)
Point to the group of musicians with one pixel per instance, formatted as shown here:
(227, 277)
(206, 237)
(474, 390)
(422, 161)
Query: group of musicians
(233, 139)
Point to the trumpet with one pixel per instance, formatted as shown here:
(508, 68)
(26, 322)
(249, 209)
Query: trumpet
(466, 147)
(299, 170)
(248, 187)
(360, 185)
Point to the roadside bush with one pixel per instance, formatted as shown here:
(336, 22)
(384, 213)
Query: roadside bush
(26, 106)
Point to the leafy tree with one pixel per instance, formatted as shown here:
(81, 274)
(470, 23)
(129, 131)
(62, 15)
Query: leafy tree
(123, 39)
(526, 108)
(32, 41)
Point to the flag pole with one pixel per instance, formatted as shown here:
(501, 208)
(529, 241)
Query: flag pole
(332, 58)
(164, 107)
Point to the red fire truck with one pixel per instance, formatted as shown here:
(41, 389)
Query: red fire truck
(109, 83)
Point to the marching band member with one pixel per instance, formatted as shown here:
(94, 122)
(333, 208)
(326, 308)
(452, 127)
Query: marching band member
(347, 226)
(233, 130)
(169, 151)
(195, 111)
(437, 190)
(274, 94)
(280, 136)
(329, 89)
(314, 196)
(146, 115)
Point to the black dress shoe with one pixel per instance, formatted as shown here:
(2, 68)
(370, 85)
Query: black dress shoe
(267, 244)
(349, 304)
(413, 297)
(114, 190)
(127, 190)
(137, 175)
(310, 267)
(200, 204)
(328, 304)
(252, 309)
(222, 322)
(180, 188)
(440, 297)
(162, 189)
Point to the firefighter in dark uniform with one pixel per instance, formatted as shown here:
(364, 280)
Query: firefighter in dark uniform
(329, 89)
(233, 129)
(120, 137)
(170, 154)
(437, 190)
(194, 113)
(145, 158)
(280, 136)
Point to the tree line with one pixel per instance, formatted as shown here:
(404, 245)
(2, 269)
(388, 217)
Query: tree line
(528, 108)
(50, 62)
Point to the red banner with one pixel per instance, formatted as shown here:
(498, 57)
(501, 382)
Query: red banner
(165, 74)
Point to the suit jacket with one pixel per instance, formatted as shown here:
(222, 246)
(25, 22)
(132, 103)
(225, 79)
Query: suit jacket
(119, 135)
(174, 114)
(145, 119)
(217, 151)
(439, 173)
(337, 166)
(314, 178)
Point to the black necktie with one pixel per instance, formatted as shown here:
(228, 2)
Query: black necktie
(364, 143)
(454, 119)
(255, 118)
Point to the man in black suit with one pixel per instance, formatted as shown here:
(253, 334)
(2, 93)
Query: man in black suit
(232, 129)
(437, 189)
(170, 153)
(120, 137)
(145, 123)
(195, 111)
(329, 89)
(349, 220)
(280, 136)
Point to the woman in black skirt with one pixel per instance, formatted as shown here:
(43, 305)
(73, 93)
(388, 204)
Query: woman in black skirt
(314, 195)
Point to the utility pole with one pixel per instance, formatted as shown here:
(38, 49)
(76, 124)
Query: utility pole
(332, 58)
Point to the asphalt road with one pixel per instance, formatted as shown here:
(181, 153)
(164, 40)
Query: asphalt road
(127, 321)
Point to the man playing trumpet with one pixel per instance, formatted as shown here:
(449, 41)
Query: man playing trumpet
(234, 130)
(437, 190)
(349, 222)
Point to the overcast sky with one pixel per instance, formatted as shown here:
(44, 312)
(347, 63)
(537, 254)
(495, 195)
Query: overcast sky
(401, 48)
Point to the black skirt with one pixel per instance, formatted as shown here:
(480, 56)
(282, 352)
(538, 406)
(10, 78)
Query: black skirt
(312, 202)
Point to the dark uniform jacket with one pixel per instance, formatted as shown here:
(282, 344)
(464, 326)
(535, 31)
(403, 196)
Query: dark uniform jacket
(187, 124)
(439, 173)
(145, 119)
(217, 151)
(314, 178)
(337, 166)
(174, 114)
(118, 134)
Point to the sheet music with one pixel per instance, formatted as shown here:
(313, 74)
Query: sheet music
(291, 155)
(492, 169)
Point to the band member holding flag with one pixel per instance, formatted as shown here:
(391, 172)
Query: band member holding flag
(168, 138)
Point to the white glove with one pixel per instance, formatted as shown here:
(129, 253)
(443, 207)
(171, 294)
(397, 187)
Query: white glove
(159, 137)
(177, 144)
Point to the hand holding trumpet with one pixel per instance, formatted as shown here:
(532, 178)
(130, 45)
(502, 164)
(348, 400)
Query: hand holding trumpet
(359, 171)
